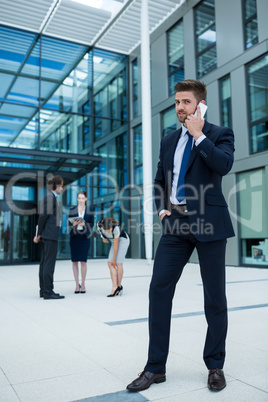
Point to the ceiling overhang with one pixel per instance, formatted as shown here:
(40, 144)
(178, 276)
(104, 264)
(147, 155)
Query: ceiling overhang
(67, 19)
(26, 163)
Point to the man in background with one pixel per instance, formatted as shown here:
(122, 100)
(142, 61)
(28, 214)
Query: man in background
(49, 223)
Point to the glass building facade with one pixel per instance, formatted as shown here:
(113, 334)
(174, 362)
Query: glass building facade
(59, 102)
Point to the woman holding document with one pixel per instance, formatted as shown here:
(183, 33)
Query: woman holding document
(81, 221)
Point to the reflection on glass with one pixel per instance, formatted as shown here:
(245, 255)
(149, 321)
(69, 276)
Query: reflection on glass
(31, 67)
(138, 159)
(122, 160)
(135, 87)
(28, 137)
(63, 132)
(169, 121)
(226, 103)
(21, 239)
(175, 56)
(251, 23)
(22, 193)
(5, 226)
(253, 219)
(101, 177)
(10, 125)
(258, 93)
(15, 46)
(205, 37)
(110, 92)
(73, 92)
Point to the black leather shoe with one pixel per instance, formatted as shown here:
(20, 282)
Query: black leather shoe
(216, 380)
(144, 381)
(42, 293)
(54, 296)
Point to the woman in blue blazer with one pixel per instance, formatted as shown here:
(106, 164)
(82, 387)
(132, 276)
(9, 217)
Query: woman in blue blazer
(80, 238)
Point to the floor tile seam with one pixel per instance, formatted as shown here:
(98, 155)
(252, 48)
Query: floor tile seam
(235, 282)
(184, 315)
(6, 377)
(13, 389)
(251, 386)
(53, 378)
(249, 346)
(105, 278)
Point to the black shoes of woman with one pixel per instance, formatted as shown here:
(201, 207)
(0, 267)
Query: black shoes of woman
(118, 291)
(77, 291)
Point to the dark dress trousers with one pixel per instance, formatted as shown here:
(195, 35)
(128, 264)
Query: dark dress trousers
(205, 227)
(48, 228)
(80, 239)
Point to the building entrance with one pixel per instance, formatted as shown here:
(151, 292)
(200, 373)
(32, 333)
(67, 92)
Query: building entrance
(16, 235)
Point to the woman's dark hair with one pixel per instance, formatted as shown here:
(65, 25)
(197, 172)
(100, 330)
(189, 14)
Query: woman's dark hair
(108, 223)
(54, 182)
(83, 193)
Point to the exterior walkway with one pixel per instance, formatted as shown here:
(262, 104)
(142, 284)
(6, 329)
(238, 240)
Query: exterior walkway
(89, 347)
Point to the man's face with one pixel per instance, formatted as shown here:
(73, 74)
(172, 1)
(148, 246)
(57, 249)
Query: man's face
(59, 189)
(186, 104)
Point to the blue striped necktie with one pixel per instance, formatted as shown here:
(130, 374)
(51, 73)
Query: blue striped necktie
(186, 155)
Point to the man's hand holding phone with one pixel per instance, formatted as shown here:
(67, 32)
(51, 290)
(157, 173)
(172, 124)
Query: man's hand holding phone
(195, 122)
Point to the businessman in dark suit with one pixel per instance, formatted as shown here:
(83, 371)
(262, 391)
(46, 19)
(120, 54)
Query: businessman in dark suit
(194, 214)
(49, 223)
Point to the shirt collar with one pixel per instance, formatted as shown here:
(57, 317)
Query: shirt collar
(184, 130)
(54, 192)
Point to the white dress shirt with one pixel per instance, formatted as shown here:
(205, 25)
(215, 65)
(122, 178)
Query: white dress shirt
(177, 164)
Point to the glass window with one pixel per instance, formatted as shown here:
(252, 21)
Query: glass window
(5, 229)
(18, 125)
(122, 160)
(110, 92)
(258, 104)
(15, 46)
(175, 56)
(1, 192)
(135, 89)
(102, 179)
(64, 132)
(22, 193)
(75, 90)
(253, 219)
(226, 102)
(138, 159)
(250, 23)
(169, 121)
(205, 31)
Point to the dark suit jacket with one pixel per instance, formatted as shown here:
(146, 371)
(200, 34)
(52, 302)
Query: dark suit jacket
(88, 217)
(209, 161)
(49, 218)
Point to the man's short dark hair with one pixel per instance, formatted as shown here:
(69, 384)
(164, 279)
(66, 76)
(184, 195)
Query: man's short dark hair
(54, 182)
(198, 88)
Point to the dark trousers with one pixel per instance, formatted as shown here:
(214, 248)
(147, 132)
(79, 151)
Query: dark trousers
(173, 252)
(47, 265)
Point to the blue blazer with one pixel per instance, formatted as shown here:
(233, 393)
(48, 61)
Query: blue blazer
(209, 161)
(88, 217)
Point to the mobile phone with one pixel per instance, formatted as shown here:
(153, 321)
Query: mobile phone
(203, 109)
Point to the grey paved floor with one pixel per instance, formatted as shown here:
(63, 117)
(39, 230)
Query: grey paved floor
(89, 347)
